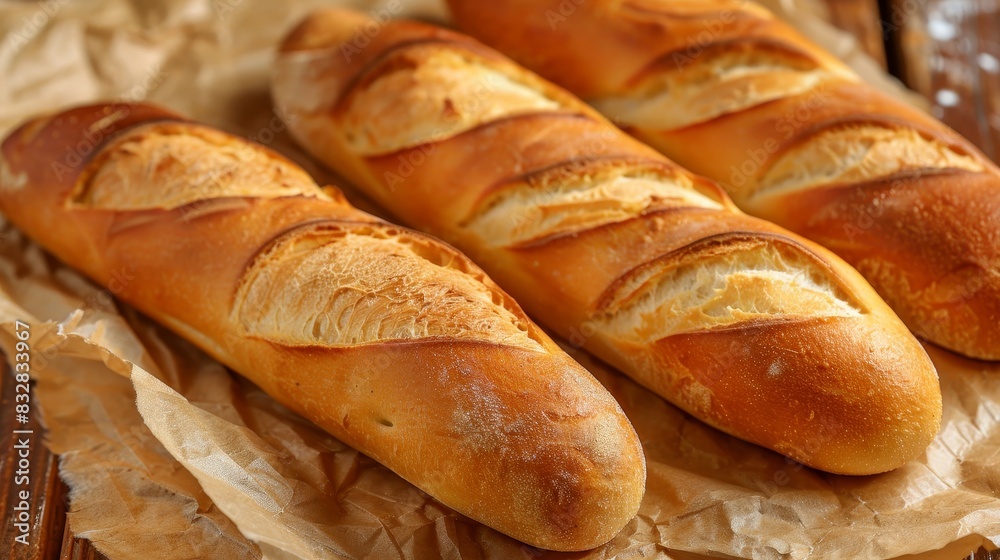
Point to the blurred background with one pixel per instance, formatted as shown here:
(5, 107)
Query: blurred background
(946, 50)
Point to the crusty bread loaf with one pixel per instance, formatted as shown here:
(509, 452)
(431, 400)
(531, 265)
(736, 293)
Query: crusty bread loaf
(392, 341)
(748, 327)
(729, 91)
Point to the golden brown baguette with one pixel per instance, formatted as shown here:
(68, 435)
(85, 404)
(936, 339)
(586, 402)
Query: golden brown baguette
(392, 341)
(727, 90)
(748, 327)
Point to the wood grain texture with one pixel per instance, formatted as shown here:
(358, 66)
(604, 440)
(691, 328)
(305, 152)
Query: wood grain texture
(949, 51)
(72, 548)
(983, 554)
(47, 503)
(861, 19)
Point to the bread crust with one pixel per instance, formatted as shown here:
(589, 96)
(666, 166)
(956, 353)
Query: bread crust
(897, 194)
(392, 341)
(757, 331)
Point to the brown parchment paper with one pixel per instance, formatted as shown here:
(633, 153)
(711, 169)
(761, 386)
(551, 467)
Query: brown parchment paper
(168, 455)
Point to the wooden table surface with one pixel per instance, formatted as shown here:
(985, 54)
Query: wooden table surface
(952, 56)
(49, 537)
(948, 50)
(862, 19)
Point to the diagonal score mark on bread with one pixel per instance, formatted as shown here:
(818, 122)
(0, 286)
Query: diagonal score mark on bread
(188, 163)
(688, 9)
(719, 282)
(305, 269)
(429, 91)
(619, 250)
(433, 94)
(421, 93)
(726, 77)
(723, 73)
(392, 341)
(859, 152)
(729, 91)
(561, 200)
(367, 284)
(732, 72)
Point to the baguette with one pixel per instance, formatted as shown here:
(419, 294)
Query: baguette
(392, 341)
(727, 90)
(746, 326)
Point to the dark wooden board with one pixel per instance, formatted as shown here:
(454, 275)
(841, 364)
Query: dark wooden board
(49, 537)
(861, 18)
(949, 51)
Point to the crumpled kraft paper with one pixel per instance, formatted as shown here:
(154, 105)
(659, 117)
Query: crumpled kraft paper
(168, 455)
(292, 491)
